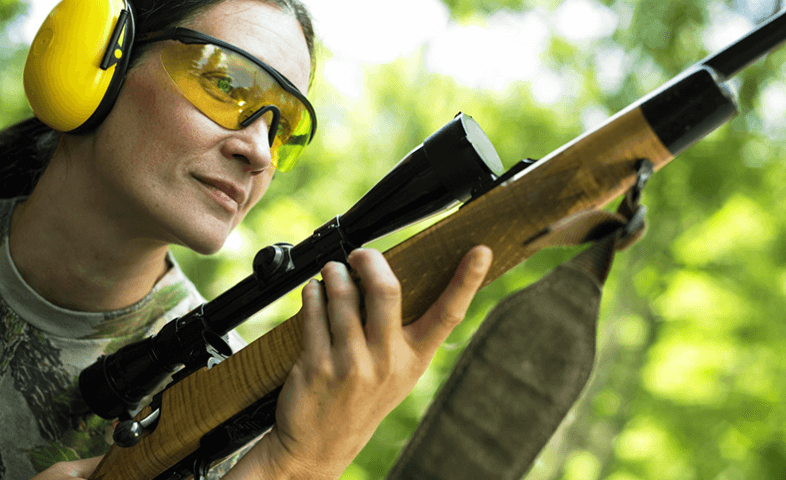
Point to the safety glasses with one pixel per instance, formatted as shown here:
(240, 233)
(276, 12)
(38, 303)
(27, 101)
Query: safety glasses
(234, 89)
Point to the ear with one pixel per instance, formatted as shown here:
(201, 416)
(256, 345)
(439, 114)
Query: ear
(77, 62)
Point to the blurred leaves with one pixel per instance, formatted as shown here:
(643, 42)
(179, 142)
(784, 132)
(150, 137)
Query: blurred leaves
(10, 9)
(689, 375)
(13, 105)
(464, 9)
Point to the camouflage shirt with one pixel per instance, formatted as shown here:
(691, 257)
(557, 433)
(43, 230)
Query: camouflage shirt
(42, 350)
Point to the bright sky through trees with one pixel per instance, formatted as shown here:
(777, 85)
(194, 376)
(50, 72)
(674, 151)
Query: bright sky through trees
(489, 53)
(360, 32)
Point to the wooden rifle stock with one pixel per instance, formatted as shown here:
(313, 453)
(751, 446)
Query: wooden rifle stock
(587, 173)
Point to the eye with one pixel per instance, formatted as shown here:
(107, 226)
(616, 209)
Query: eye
(225, 85)
(221, 87)
(284, 130)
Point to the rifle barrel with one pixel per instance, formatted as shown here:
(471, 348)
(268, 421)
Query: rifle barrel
(750, 48)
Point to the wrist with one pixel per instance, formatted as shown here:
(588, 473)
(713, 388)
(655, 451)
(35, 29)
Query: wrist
(270, 459)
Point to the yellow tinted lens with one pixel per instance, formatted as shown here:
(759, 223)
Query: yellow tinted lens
(297, 139)
(228, 88)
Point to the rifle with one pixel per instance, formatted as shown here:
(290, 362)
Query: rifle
(508, 214)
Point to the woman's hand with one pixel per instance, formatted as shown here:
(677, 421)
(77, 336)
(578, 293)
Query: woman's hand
(78, 469)
(350, 376)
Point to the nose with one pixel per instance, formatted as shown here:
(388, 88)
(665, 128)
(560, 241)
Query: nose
(251, 147)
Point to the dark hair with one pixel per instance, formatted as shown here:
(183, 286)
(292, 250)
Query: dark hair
(27, 147)
(156, 15)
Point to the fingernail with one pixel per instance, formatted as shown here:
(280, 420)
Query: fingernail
(354, 253)
(338, 268)
(479, 260)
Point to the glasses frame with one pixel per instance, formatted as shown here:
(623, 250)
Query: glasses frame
(189, 37)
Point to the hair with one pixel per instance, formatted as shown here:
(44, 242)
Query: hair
(28, 145)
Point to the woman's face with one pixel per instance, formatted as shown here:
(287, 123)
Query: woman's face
(168, 172)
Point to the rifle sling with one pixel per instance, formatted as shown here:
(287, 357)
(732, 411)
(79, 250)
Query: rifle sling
(527, 363)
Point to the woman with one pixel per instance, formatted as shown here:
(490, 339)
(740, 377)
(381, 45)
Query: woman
(85, 266)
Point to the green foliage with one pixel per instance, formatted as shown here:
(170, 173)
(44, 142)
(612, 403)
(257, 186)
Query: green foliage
(13, 106)
(464, 9)
(688, 380)
(10, 9)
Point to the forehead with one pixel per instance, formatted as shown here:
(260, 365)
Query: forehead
(262, 29)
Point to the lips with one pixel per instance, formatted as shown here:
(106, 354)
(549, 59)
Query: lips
(235, 193)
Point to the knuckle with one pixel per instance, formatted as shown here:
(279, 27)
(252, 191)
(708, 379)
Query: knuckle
(391, 363)
(342, 290)
(382, 363)
(366, 377)
(366, 374)
(312, 291)
(386, 288)
(364, 255)
(386, 372)
(316, 371)
(352, 374)
(322, 368)
(334, 270)
(450, 318)
(338, 283)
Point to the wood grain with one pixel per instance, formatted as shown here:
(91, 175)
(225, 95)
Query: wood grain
(587, 173)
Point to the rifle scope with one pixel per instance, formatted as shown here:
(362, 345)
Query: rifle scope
(452, 165)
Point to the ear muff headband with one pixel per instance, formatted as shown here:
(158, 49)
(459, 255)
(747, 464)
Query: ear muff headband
(77, 62)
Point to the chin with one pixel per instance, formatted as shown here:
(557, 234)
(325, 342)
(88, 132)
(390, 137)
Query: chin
(206, 246)
(205, 249)
(202, 243)
(199, 230)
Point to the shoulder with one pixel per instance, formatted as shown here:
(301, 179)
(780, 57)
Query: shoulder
(6, 209)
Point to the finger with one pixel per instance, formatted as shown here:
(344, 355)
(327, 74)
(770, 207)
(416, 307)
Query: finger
(428, 332)
(343, 308)
(316, 332)
(382, 293)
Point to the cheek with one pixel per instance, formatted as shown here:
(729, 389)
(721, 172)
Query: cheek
(145, 96)
(161, 113)
(261, 183)
(142, 143)
(135, 126)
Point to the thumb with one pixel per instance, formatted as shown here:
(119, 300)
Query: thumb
(428, 332)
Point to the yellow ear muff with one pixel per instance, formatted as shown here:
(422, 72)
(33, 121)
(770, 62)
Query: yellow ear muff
(77, 62)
